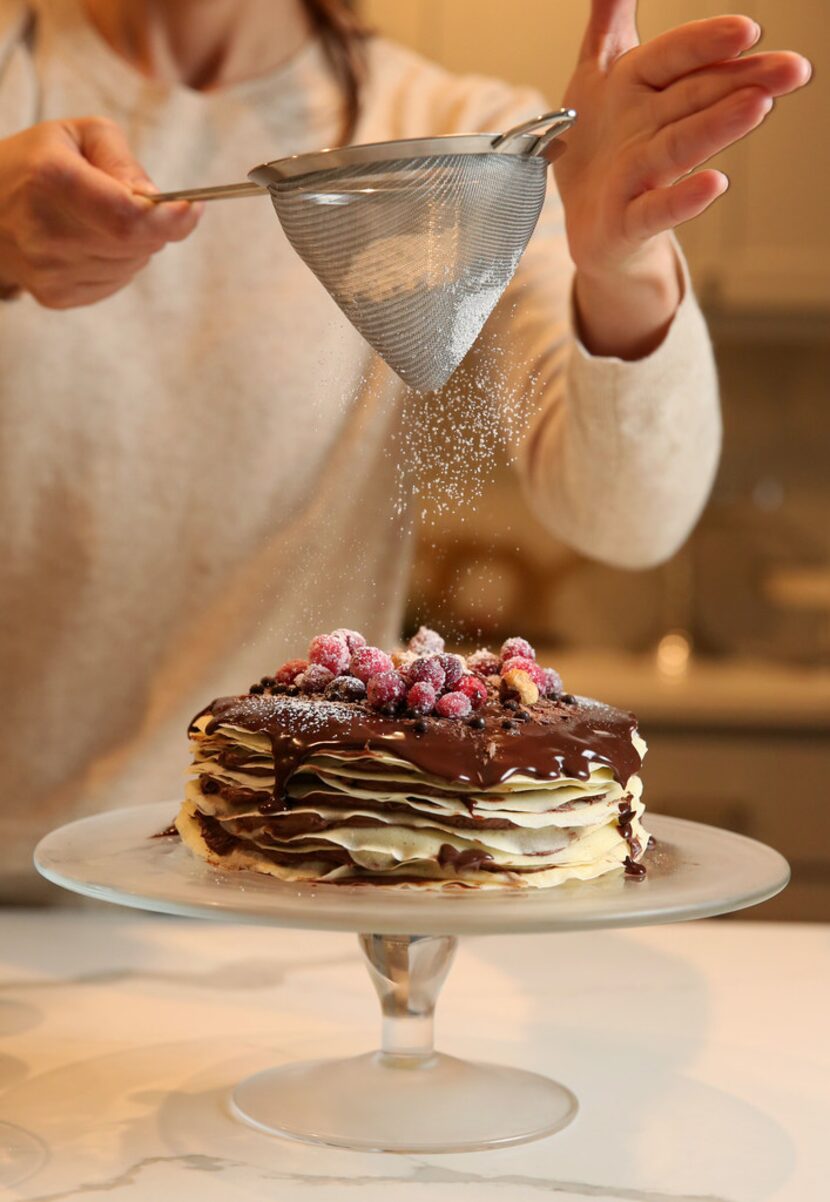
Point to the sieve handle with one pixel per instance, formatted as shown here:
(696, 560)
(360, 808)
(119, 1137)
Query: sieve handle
(221, 192)
(556, 123)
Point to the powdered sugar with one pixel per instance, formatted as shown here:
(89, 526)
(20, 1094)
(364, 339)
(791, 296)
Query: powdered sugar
(302, 714)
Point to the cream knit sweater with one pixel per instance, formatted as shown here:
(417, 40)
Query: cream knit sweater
(210, 466)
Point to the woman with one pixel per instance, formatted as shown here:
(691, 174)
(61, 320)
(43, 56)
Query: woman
(200, 458)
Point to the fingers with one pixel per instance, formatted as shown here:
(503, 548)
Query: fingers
(775, 73)
(612, 29)
(178, 218)
(689, 47)
(75, 296)
(98, 189)
(103, 144)
(680, 147)
(91, 282)
(664, 208)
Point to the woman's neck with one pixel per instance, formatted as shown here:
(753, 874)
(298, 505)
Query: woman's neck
(202, 43)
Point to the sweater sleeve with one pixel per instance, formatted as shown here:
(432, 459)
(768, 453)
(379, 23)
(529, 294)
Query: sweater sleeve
(18, 82)
(616, 458)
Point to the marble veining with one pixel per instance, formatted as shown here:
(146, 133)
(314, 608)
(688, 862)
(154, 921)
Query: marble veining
(422, 1174)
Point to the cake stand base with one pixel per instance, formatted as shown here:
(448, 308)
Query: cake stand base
(406, 1097)
(383, 1103)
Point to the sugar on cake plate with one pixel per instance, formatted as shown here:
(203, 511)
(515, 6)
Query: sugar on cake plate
(416, 769)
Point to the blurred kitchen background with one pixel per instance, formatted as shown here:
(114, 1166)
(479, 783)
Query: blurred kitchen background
(725, 651)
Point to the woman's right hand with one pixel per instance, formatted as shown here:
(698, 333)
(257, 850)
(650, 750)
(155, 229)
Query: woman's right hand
(72, 229)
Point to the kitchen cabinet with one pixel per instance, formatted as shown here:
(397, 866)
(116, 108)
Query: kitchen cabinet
(770, 785)
(762, 250)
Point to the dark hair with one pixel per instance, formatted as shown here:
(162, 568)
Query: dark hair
(343, 37)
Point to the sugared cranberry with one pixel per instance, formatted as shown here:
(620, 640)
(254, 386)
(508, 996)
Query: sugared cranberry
(426, 642)
(331, 651)
(516, 646)
(385, 691)
(427, 668)
(290, 670)
(485, 662)
(369, 661)
(352, 638)
(454, 668)
(314, 679)
(522, 664)
(475, 688)
(421, 698)
(553, 682)
(453, 705)
(346, 688)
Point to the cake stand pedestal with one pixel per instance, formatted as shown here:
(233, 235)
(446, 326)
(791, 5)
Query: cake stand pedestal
(406, 1097)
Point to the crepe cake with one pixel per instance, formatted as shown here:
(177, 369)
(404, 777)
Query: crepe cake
(418, 769)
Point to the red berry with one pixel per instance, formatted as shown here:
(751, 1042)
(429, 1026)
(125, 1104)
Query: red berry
(352, 638)
(522, 664)
(331, 651)
(553, 682)
(421, 698)
(428, 668)
(474, 688)
(369, 661)
(426, 642)
(290, 670)
(485, 662)
(453, 705)
(385, 691)
(511, 647)
(454, 668)
(314, 679)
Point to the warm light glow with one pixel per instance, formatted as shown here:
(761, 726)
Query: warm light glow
(673, 654)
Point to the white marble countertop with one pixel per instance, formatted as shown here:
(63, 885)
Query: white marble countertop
(699, 1054)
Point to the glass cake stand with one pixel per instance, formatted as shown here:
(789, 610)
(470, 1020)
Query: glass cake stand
(406, 1097)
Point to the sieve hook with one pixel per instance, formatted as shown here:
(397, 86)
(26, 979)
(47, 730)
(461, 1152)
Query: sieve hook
(557, 123)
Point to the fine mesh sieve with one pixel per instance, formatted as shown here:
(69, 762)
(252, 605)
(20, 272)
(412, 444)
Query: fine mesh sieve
(415, 240)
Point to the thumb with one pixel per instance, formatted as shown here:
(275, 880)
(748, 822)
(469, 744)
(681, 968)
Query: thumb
(611, 30)
(104, 145)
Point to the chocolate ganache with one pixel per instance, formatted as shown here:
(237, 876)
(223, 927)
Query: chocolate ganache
(542, 747)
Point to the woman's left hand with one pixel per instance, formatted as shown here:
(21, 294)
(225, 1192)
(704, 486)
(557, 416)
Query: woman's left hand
(649, 116)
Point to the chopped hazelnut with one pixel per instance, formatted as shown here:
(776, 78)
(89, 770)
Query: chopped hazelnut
(520, 685)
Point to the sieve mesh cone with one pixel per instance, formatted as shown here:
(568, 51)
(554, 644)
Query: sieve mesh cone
(416, 251)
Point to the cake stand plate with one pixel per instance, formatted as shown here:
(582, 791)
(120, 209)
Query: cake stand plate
(406, 1097)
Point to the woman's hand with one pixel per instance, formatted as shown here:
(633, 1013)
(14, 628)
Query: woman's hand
(649, 115)
(72, 230)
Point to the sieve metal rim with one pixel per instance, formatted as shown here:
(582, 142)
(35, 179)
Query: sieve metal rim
(515, 142)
